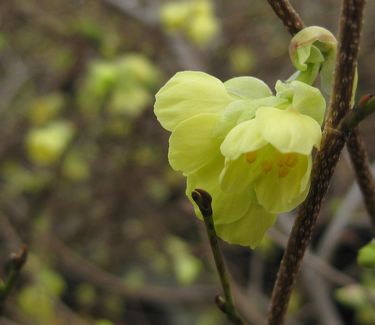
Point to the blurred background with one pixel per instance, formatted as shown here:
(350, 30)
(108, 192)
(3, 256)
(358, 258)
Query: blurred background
(85, 181)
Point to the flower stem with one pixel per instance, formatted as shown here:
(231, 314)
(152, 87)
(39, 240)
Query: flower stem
(332, 143)
(287, 14)
(203, 201)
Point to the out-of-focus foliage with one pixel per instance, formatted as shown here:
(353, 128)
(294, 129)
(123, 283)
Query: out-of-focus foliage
(242, 59)
(195, 19)
(360, 298)
(38, 299)
(125, 84)
(46, 144)
(186, 266)
(45, 108)
(366, 255)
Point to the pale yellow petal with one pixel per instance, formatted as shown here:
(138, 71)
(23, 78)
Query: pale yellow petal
(243, 138)
(282, 194)
(248, 230)
(192, 144)
(227, 207)
(238, 174)
(247, 88)
(288, 130)
(187, 94)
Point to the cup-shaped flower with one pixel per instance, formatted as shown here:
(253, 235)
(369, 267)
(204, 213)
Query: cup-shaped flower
(272, 154)
(191, 105)
(249, 149)
(313, 51)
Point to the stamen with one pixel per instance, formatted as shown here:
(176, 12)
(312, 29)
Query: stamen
(283, 172)
(280, 161)
(251, 157)
(267, 166)
(290, 159)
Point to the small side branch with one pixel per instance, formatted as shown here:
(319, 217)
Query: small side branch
(365, 107)
(225, 304)
(358, 154)
(359, 159)
(288, 15)
(17, 261)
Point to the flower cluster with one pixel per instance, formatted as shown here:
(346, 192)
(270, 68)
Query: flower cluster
(249, 148)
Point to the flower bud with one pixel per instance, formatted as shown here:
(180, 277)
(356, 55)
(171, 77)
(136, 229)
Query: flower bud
(313, 51)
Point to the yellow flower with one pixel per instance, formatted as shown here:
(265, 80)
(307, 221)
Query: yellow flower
(249, 149)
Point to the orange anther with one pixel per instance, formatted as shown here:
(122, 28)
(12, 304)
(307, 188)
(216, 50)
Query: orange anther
(267, 166)
(251, 157)
(290, 159)
(283, 171)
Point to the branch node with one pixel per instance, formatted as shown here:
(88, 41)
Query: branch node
(16, 262)
(203, 200)
(18, 259)
(221, 304)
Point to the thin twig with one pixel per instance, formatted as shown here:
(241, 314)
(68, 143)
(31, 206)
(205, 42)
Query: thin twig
(86, 270)
(326, 159)
(16, 75)
(320, 291)
(187, 57)
(250, 311)
(364, 108)
(340, 219)
(252, 308)
(203, 201)
(134, 9)
(358, 154)
(318, 278)
(359, 159)
(17, 261)
(315, 262)
(287, 14)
